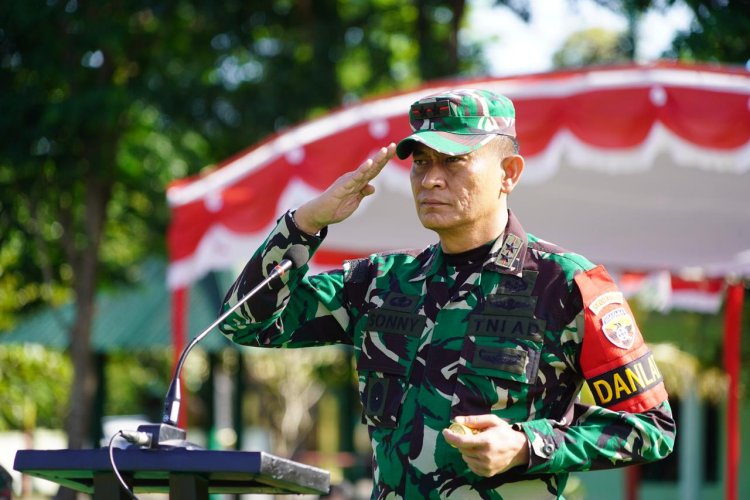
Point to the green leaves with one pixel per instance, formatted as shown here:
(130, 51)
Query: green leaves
(106, 103)
(35, 385)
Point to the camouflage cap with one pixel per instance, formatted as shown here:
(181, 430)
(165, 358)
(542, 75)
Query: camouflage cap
(457, 122)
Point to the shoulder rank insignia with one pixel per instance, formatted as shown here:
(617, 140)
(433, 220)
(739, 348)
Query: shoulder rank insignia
(509, 251)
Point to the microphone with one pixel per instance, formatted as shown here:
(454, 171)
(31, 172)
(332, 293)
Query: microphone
(167, 433)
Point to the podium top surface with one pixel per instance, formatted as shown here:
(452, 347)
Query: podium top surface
(149, 470)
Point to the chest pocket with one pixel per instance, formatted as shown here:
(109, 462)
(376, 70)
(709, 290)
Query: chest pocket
(389, 346)
(499, 363)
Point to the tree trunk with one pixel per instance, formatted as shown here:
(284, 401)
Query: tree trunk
(438, 56)
(458, 7)
(86, 263)
(84, 377)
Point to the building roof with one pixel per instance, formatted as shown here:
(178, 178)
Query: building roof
(132, 318)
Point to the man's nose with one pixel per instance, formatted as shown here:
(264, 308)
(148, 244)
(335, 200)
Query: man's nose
(433, 176)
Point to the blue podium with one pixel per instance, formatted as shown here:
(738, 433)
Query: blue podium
(186, 474)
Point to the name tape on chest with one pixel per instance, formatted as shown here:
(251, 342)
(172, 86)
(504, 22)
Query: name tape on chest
(490, 325)
(396, 322)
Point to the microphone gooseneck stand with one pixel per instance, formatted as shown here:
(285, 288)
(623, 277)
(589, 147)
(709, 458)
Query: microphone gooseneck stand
(160, 459)
(167, 434)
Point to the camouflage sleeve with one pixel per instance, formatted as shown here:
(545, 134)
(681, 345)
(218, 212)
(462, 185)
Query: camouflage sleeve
(296, 311)
(598, 438)
(631, 421)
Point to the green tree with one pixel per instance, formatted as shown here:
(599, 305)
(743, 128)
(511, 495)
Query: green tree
(83, 158)
(592, 46)
(25, 403)
(105, 103)
(718, 32)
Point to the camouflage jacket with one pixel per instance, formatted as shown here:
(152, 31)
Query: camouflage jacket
(506, 336)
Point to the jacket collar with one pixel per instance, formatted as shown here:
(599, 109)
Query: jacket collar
(508, 253)
(506, 256)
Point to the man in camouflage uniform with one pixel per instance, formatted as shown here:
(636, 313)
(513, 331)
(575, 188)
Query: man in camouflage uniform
(491, 327)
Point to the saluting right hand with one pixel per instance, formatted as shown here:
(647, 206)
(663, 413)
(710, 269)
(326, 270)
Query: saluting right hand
(342, 198)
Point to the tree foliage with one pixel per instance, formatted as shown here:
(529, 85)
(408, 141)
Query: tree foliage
(590, 47)
(35, 387)
(125, 98)
(718, 32)
(107, 102)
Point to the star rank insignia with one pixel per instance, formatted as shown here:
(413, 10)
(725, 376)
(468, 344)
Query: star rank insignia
(509, 251)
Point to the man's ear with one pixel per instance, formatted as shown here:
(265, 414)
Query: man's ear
(512, 167)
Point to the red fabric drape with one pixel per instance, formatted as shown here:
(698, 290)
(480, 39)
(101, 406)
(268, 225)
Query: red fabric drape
(732, 332)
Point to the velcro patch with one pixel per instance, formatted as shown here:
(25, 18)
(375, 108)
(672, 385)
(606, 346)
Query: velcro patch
(400, 302)
(513, 305)
(377, 389)
(502, 358)
(625, 382)
(518, 286)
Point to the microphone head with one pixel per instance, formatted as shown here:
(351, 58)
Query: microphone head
(297, 255)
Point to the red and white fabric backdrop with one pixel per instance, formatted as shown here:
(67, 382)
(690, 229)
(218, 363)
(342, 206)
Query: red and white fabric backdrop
(640, 168)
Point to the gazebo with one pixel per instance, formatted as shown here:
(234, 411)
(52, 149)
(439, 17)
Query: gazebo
(645, 169)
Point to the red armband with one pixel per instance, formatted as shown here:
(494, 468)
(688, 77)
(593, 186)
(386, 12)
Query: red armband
(617, 364)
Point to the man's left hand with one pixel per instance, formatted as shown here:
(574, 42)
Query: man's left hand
(495, 448)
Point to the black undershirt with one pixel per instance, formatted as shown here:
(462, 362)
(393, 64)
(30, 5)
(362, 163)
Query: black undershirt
(468, 258)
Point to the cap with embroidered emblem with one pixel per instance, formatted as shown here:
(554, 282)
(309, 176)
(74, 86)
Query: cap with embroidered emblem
(457, 122)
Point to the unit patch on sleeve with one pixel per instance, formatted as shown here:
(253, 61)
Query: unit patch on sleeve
(619, 327)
